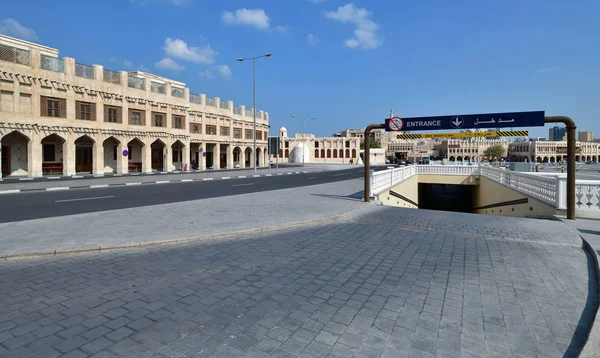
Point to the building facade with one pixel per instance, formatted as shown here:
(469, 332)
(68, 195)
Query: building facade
(553, 151)
(585, 136)
(306, 148)
(61, 117)
(469, 151)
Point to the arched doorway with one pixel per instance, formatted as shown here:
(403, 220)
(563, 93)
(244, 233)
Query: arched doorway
(459, 159)
(545, 160)
(135, 155)
(178, 149)
(347, 153)
(451, 159)
(112, 157)
(15, 154)
(84, 154)
(54, 151)
(467, 159)
(237, 157)
(577, 158)
(258, 157)
(287, 153)
(335, 153)
(316, 153)
(158, 155)
(552, 160)
(328, 153)
(248, 157)
(322, 153)
(341, 153)
(353, 153)
(539, 159)
(594, 159)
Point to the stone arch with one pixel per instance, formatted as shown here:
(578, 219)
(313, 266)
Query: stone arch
(258, 157)
(594, 159)
(322, 153)
(452, 159)
(178, 157)
(353, 153)
(347, 153)
(84, 154)
(538, 159)
(341, 153)
(335, 155)
(55, 154)
(459, 159)
(237, 157)
(158, 157)
(248, 157)
(577, 158)
(16, 151)
(112, 155)
(136, 155)
(328, 153)
(552, 160)
(286, 153)
(545, 160)
(467, 159)
(316, 153)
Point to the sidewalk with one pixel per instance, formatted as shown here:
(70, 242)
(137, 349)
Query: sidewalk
(78, 182)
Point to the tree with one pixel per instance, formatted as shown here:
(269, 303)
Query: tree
(495, 151)
(372, 144)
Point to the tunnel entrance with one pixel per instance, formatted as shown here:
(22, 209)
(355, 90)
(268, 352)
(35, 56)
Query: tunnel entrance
(446, 197)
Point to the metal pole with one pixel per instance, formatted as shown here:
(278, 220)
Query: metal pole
(367, 160)
(304, 142)
(571, 127)
(254, 109)
(277, 157)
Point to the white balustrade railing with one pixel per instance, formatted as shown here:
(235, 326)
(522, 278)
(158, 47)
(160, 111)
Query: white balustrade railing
(385, 179)
(542, 188)
(448, 169)
(587, 195)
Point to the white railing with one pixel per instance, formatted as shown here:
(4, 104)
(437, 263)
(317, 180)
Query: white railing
(386, 179)
(448, 169)
(587, 195)
(542, 188)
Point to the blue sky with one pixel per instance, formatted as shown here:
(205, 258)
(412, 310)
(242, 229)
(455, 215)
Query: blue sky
(346, 63)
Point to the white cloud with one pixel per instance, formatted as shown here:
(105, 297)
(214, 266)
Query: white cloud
(11, 27)
(250, 17)
(365, 34)
(225, 71)
(550, 69)
(282, 29)
(312, 40)
(179, 49)
(206, 74)
(168, 64)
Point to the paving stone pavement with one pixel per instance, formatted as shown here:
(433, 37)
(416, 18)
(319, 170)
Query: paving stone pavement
(351, 288)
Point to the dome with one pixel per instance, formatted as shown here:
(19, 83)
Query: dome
(282, 129)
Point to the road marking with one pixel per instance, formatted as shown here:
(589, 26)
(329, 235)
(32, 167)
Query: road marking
(187, 180)
(289, 173)
(269, 175)
(99, 186)
(279, 173)
(58, 188)
(77, 176)
(162, 181)
(13, 191)
(255, 176)
(243, 184)
(297, 172)
(135, 174)
(82, 199)
(25, 178)
(53, 177)
(242, 176)
(311, 178)
(207, 178)
(117, 175)
(133, 183)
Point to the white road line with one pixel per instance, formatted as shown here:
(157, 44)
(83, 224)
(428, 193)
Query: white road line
(134, 173)
(255, 176)
(311, 178)
(53, 177)
(133, 183)
(226, 178)
(77, 176)
(289, 173)
(279, 173)
(162, 181)
(13, 191)
(243, 184)
(207, 178)
(187, 180)
(25, 178)
(99, 186)
(269, 175)
(117, 175)
(82, 199)
(242, 176)
(58, 188)
(297, 172)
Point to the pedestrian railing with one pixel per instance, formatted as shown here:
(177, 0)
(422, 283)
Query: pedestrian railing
(550, 189)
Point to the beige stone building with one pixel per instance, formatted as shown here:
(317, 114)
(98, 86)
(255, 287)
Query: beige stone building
(378, 135)
(306, 148)
(58, 116)
(463, 150)
(553, 151)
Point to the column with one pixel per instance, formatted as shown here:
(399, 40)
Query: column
(202, 164)
(98, 157)
(185, 157)
(68, 156)
(217, 156)
(147, 158)
(229, 156)
(252, 157)
(167, 158)
(122, 160)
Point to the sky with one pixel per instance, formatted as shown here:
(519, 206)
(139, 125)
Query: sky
(345, 63)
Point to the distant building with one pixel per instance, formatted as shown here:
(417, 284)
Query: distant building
(586, 136)
(557, 133)
(306, 148)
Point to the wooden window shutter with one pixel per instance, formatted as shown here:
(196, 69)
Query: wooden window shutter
(105, 113)
(77, 110)
(129, 111)
(62, 108)
(143, 117)
(44, 106)
(119, 115)
(93, 111)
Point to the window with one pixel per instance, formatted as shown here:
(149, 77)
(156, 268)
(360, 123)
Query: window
(211, 130)
(49, 152)
(347, 144)
(178, 122)
(135, 117)
(287, 144)
(317, 145)
(113, 115)
(85, 111)
(224, 131)
(259, 135)
(248, 133)
(158, 120)
(195, 128)
(237, 133)
(53, 108)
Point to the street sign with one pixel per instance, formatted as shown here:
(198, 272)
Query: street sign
(273, 145)
(204, 154)
(464, 135)
(125, 152)
(468, 121)
(396, 124)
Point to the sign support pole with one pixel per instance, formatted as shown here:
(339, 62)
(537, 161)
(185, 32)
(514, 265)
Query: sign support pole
(367, 159)
(571, 127)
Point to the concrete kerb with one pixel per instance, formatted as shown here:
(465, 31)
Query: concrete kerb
(58, 252)
(592, 344)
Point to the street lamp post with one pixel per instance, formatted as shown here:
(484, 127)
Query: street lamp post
(254, 97)
(304, 130)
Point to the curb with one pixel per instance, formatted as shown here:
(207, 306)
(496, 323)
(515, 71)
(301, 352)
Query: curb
(55, 253)
(189, 180)
(592, 342)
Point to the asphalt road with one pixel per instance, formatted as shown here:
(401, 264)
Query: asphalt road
(44, 204)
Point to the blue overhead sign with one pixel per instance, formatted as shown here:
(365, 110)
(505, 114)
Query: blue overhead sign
(466, 121)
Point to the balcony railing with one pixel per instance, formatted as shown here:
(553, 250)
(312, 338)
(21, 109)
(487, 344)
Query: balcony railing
(136, 82)
(52, 63)
(237, 110)
(177, 92)
(158, 87)
(224, 104)
(15, 55)
(210, 101)
(195, 98)
(112, 77)
(249, 112)
(85, 71)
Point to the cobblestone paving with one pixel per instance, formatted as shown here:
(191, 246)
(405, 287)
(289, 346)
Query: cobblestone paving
(339, 290)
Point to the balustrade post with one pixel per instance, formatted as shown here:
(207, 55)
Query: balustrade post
(561, 192)
(372, 181)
